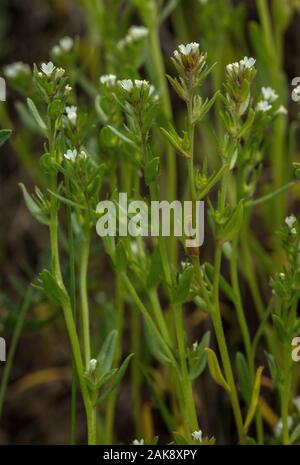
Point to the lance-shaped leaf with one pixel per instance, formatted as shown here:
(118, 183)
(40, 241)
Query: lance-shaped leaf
(40, 215)
(52, 288)
(35, 113)
(254, 399)
(115, 381)
(107, 353)
(180, 144)
(244, 376)
(215, 369)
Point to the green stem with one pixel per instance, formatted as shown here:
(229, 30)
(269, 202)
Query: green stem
(217, 321)
(85, 315)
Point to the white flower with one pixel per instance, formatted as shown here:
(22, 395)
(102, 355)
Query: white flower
(279, 426)
(263, 106)
(72, 113)
(269, 94)
(137, 442)
(15, 69)
(71, 155)
(68, 89)
(66, 43)
(48, 68)
(108, 79)
(92, 365)
(141, 83)
(233, 67)
(187, 49)
(126, 84)
(59, 72)
(197, 435)
(137, 33)
(290, 221)
(296, 402)
(248, 62)
(195, 346)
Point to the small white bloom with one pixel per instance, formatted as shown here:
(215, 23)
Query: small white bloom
(48, 68)
(233, 67)
(126, 84)
(248, 62)
(15, 69)
(138, 442)
(68, 89)
(137, 32)
(195, 346)
(71, 155)
(66, 43)
(108, 79)
(188, 48)
(72, 113)
(278, 428)
(269, 94)
(141, 83)
(92, 365)
(59, 72)
(197, 435)
(282, 276)
(290, 221)
(263, 106)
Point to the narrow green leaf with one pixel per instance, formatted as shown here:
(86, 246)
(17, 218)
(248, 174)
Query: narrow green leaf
(35, 210)
(106, 354)
(244, 376)
(215, 369)
(117, 378)
(35, 113)
(254, 399)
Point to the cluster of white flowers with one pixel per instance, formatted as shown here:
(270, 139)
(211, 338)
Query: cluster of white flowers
(134, 34)
(269, 97)
(129, 84)
(108, 79)
(269, 94)
(245, 63)
(197, 435)
(290, 222)
(138, 442)
(72, 155)
(16, 69)
(65, 45)
(187, 49)
(72, 114)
